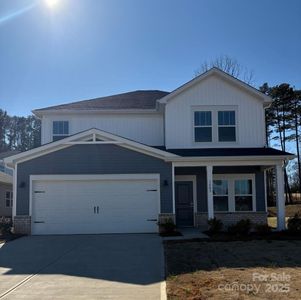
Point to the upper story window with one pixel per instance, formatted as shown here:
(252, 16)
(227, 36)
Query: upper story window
(216, 124)
(60, 130)
(203, 126)
(226, 126)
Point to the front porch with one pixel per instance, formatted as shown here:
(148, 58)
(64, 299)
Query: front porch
(229, 191)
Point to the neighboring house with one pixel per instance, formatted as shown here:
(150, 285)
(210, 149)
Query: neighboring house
(119, 164)
(6, 186)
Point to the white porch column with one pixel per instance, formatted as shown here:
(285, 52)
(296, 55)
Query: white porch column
(209, 192)
(280, 197)
(173, 190)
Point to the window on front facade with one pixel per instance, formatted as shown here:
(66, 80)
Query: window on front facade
(220, 195)
(243, 195)
(8, 198)
(226, 126)
(203, 126)
(60, 130)
(234, 193)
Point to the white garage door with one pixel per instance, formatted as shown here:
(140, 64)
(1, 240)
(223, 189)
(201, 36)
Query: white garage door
(95, 205)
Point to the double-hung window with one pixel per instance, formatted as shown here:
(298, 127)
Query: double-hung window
(60, 130)
(8, 199)
(203, 126)
(234, 192)
(220, 195)
(243, 195)
(215, 124)
(226, 126)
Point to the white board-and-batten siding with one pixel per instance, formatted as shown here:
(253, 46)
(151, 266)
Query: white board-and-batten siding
(144, 128)
(214, 92)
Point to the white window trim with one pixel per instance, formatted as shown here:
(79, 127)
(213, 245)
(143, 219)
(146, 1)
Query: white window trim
(59, 134)
(214, 118)
(227, 126)
(10, 199)
(225, 195)
(190, 178)
(231, 190)
(203, 126)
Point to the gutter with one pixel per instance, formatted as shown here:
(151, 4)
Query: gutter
(229, 158)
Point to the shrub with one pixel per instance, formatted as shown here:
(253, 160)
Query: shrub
(215, 225)
(242, 227)
(294, 224)
(168, 225)
(262, 229)
(5, 228)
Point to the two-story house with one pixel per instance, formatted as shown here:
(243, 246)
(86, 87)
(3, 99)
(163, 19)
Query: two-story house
(119, 164)
(6, 186)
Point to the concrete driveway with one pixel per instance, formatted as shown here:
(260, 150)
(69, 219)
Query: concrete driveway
(82, 267)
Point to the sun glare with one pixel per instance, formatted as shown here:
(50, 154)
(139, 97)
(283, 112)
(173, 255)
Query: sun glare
(52, 3)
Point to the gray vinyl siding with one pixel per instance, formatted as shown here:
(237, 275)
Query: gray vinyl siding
(93, 159)
(201, 178)
(5, 211)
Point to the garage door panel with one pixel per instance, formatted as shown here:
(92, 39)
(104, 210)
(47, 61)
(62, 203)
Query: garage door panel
(67, 207)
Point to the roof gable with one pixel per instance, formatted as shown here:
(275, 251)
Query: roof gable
(221, 74)
(91, 136)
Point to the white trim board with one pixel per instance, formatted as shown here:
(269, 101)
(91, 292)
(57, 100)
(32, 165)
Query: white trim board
(41, 112)
(194, 182)
(231, 192)
(226, 161)
(96, 177)
(15, 174)
(215, 109)
(104, 136)
(215, 71)
(190, 178)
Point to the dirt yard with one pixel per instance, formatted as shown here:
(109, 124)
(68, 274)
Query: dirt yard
(233, 270)
(290, 210)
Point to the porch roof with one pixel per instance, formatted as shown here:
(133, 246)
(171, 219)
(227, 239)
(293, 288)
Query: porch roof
(215, 152)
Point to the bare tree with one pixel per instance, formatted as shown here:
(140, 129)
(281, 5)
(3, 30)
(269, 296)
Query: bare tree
(230, 66)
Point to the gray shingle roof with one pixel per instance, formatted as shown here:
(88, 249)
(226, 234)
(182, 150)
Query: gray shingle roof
(207, 152)
(132, 100)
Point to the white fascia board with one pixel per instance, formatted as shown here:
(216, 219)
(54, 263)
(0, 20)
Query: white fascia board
(40, 113)
(228, 161)
(88, 177)
(231, 158)
(6, 178)
(44, 149)
(132, 144)
(67, 142)
(235, 81)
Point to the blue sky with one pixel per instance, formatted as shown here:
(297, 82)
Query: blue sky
(82, 49)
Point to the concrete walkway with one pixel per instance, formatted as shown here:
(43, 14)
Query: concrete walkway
(82, 267)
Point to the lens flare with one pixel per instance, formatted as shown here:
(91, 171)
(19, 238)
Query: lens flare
(16, 13)
(52, 3)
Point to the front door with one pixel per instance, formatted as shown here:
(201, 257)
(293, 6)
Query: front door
(184, 203)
